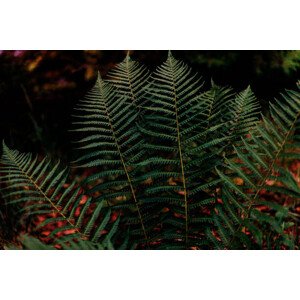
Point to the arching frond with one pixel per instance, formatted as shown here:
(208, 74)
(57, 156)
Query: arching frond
(256, 164)
(42, 190)
(173, 129)
(112, 144)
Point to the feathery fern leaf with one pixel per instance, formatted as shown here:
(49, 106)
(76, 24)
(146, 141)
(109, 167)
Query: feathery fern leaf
(112, 144)
(130, 79)
(174, 139)
(40, 187)
(256, 164)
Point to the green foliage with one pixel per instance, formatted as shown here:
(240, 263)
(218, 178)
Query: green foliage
(181, 167)
(291, 61)
(257, 162)
(39, 186)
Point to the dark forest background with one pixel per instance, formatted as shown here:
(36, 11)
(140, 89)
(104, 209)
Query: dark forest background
(38, 89)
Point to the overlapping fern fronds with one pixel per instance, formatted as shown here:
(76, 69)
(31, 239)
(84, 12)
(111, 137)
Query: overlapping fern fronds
(175, 143)
(257, 165)
(111, 144)
(183, 168)
(236, 113)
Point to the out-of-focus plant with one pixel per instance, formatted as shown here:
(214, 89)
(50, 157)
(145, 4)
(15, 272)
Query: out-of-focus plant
(291, 61)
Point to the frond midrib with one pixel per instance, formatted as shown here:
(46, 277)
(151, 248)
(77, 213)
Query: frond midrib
(123, 162)
(44, 195)
(180, 150)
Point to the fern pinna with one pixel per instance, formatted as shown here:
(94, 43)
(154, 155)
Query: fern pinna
(172, 166)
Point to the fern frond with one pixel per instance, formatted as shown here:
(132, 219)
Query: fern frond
(244, 113)
(173, 130)
(236, 114)
(39, 186)
(257, 162)
(130, 79)
(111, 140)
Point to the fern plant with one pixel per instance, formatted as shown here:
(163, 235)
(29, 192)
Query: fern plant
(40, 185)
(257, 162)
(172, 166)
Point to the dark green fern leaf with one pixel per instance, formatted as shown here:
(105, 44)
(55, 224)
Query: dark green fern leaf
(130, 79)
(40, 187)
(111, 145)
(256, 164)
(174, 140)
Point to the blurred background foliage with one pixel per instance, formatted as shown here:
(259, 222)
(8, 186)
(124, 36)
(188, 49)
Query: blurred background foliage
(38, 89)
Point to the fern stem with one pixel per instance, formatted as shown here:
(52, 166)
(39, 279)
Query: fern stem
(180, 153)
(209, 115)
(129, 80)
(124, 167)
